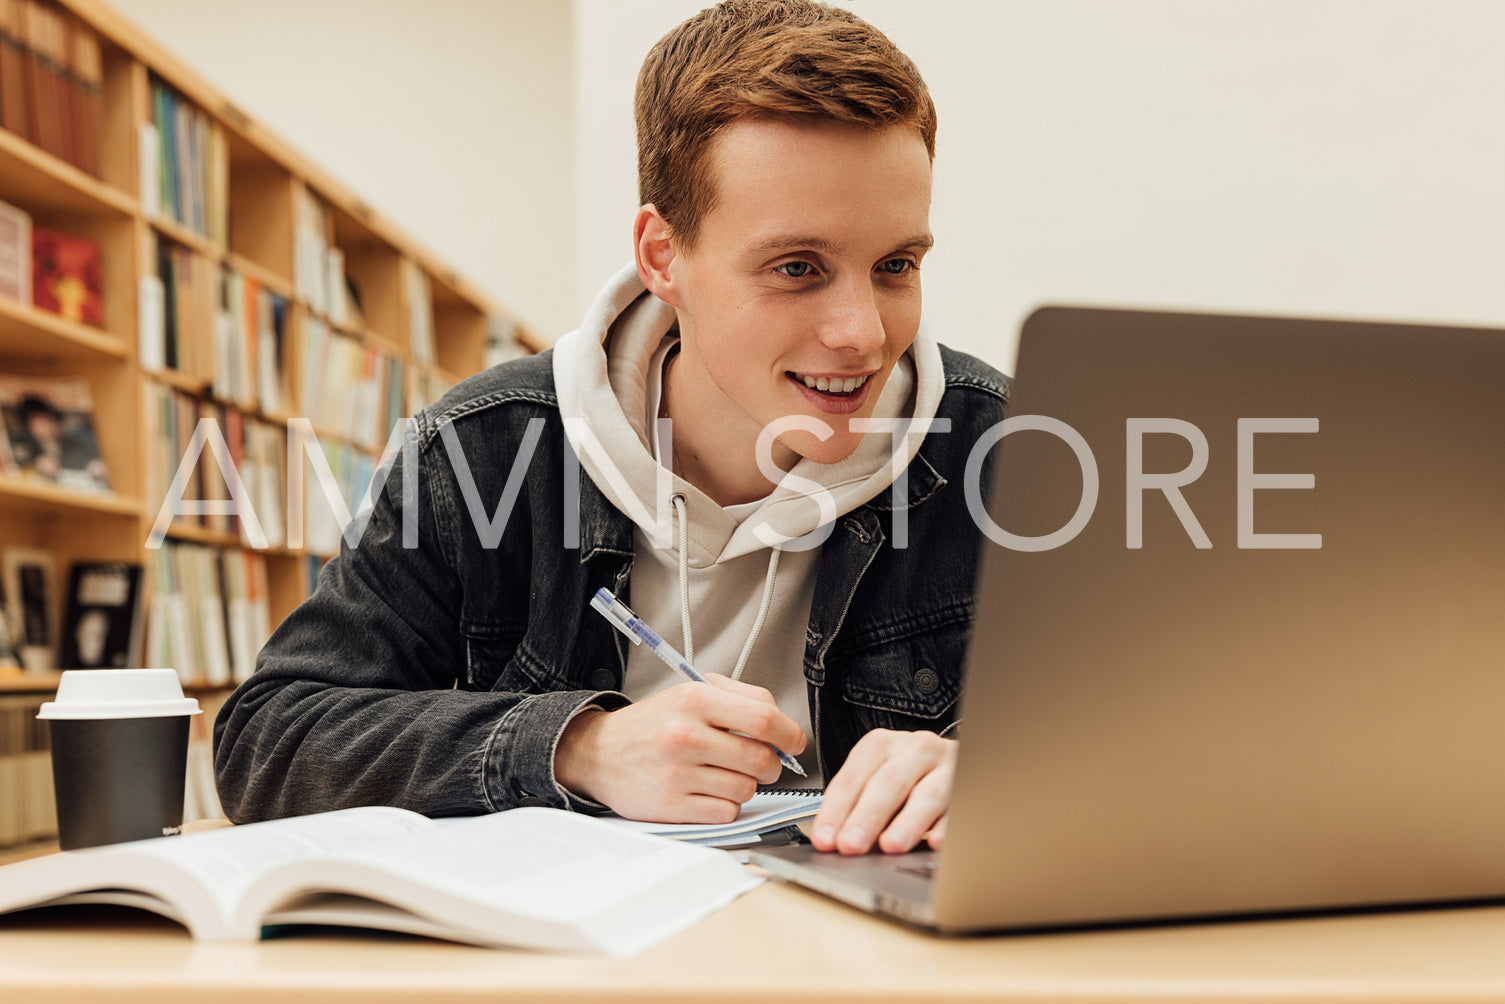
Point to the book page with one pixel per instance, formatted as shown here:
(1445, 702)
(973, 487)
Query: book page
(528, 877)
(200, 878)
(229, 861)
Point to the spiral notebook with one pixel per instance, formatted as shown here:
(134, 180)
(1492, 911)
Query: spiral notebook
(769, 810)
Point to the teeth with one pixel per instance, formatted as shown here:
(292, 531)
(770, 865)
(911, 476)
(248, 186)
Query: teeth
(831, 386)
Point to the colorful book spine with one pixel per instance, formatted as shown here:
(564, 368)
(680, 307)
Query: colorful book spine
(192, 164)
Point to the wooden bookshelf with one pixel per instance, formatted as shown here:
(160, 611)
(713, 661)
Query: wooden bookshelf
(175, 177)
(265, 188)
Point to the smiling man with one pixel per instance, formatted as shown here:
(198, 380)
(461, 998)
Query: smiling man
(774, 452)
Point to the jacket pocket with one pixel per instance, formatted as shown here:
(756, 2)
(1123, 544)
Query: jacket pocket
(489, 656)
(907, 683)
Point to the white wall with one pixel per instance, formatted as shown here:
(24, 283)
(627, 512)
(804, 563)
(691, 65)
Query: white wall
(450, 117)
(1331, 157)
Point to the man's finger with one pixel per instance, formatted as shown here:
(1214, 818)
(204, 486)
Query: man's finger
(882, 798)
(924, 806)
(843, 791)
(763, 722)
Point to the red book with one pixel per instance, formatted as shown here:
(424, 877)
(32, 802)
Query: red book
(67, 276)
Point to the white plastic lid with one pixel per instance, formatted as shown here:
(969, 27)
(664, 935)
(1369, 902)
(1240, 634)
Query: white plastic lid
(119, 693)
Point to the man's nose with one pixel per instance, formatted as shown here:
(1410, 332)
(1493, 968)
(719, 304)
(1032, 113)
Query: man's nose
(851, 319)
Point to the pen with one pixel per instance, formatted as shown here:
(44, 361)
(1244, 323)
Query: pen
(630, 624)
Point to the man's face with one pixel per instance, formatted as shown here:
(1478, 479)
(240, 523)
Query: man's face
(804, 273)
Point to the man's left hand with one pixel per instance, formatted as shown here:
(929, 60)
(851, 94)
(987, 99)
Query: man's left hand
(893, 789)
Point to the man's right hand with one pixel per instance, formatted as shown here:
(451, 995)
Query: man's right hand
(673, 757)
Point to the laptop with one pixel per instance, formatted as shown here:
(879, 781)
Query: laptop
(1245, 653)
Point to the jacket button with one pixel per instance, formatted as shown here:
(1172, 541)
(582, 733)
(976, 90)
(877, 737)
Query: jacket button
(531, 802)
(603, 679)
(926, 680)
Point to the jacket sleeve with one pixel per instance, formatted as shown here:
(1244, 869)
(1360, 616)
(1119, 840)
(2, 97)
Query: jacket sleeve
(356, 698)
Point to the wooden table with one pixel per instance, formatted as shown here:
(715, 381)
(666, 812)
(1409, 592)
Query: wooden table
(778, 944)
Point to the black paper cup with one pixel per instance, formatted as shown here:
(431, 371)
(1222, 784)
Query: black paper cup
(119, 755)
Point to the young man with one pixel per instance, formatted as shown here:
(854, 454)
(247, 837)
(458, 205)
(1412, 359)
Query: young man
(792, 526)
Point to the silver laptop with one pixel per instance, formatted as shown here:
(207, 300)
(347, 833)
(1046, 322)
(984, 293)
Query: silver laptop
(1266, 673)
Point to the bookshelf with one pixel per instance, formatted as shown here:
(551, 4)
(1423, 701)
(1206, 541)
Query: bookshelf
(239, 282)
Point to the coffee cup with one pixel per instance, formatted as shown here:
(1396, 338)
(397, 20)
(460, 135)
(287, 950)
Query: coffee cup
(119, 754)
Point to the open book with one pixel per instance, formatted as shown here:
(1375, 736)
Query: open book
(527, 878)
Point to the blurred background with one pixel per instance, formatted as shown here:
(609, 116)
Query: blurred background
(1339, 158)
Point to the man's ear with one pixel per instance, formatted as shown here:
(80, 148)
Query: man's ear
(654, 251)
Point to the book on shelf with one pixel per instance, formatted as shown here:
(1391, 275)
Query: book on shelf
(103, 620)
(9, 657)
(526, 878)
(345, 386)
(12, 70)
(425, 387)
(334, 285)
(213, 479)
(257, 451)
(336, 487)
(243, 578)
(274, 391)
(394, 395)
(189, 165)
(264, 475)
(208, 615)
(51, 80)
(49, 433)
(27, 809)
(200, 799)
(251, 326)
(415, 283)
(44, 110)
(181, 336)
(67, 276)
(32, 606)
(502, 342)
(313, 229)
(167, 643)
(88, 98)
(311, 565)
(15, 253)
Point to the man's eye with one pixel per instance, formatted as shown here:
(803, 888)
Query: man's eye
(897, 266)
(794, 269)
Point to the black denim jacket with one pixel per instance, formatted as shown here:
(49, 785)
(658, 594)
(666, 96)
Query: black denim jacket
(439, 676)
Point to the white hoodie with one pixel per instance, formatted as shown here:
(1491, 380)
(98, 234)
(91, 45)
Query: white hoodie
(609, 374)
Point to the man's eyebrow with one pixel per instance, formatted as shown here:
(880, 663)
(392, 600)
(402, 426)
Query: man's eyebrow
(785, 242)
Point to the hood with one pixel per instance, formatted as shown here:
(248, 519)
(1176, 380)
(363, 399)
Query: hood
(601, 374)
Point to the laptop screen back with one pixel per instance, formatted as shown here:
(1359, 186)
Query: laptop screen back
(1259, 665)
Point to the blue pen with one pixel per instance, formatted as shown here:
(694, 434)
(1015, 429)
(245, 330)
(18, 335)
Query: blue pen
(630, 624)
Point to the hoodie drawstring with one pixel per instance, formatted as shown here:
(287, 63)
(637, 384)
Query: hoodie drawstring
(684, 575)
(680, 510)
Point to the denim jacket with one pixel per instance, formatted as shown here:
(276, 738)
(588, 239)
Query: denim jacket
(437, 672)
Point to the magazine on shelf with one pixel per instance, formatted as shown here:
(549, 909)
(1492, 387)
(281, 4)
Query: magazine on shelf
(67, 276)
(102, 619)
(31, 610)
(49, 432)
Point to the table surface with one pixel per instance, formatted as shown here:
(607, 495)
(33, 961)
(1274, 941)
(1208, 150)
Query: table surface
(784, 944)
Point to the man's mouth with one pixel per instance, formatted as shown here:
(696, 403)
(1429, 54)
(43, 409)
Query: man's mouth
(834, 386)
